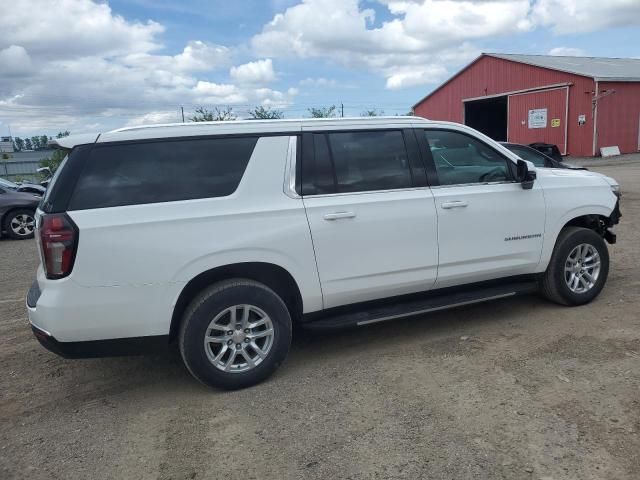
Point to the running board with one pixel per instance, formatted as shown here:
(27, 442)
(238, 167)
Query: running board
(433, 302)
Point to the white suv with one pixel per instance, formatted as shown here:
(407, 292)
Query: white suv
(221, 236)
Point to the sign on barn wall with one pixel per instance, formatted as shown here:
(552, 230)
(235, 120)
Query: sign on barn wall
(538, 118)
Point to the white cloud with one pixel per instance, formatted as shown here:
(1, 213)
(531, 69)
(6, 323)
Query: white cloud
(154, 118)
(410, 49)
(260, 71)
(319, 82)
(85, 65)
(45, 28)
(571, 16)
(196, 56)
(15, 61)
(567, 52)
(423, 37)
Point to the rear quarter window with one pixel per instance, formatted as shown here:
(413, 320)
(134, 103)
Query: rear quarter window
(161, 171)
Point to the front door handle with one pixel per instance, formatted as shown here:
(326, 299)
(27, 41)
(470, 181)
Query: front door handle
(339, 215)
(454, 204)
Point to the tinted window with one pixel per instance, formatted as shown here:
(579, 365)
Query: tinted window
(461, 159)
(365, 161)
(317, 169)
(162, 171)
(526, 153)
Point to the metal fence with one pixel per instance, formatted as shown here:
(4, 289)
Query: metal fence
(19, 169)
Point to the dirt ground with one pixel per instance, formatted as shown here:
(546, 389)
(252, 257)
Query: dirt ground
(516, 389)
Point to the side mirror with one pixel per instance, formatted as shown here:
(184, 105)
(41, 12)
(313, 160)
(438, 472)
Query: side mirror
(525, 176)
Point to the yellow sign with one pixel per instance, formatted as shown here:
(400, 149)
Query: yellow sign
(555, 122)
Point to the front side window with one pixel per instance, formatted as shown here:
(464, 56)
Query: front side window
(527, 153)
(461, 159)
(161, 171)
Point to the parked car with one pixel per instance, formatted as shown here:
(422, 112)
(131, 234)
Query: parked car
(17, 213)
(22, 187)
(536, 157)
(221, 236)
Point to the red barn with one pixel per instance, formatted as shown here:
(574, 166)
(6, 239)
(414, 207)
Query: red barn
(579, 104)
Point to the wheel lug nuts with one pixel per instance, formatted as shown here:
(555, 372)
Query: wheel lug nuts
(246, 340)
(246, 330)
(238, 326)
(238, 346)
(230, 342)
(230, 332)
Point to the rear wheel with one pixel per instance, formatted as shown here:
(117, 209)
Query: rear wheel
(20, 224)
(578, 268)
(235, 334)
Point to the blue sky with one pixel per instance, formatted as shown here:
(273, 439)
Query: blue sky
(97, 66)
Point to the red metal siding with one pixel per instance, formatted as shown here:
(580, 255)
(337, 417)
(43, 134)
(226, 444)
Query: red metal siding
(490, 76)
(619, 116)
(552, 100)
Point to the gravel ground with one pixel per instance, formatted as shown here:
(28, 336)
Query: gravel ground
(518, 388)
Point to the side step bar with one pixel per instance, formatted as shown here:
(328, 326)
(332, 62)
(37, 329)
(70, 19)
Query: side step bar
(432, 302)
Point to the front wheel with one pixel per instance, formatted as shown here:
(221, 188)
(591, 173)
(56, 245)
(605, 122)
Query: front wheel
(578, 268)
(235, 334)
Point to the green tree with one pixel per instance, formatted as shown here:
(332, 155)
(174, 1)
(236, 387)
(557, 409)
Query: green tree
(322, 112)
(35, 142)
(44, 141)
(27, 144)
(201, 114)
(263, 113)
(54, 161)
(372, 113)
(18, 143)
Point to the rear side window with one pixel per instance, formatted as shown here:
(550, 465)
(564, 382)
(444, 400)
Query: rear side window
(162, 171)
(358, 161)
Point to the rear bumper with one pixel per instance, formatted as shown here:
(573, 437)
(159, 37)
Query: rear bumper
(102, 348)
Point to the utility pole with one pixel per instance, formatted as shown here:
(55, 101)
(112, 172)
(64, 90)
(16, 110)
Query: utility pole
(182, 110)
(342, 109)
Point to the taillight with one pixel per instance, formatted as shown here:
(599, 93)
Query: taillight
(59, 242)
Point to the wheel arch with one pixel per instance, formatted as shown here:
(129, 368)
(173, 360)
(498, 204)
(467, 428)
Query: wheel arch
(273, 276)
(594, 217)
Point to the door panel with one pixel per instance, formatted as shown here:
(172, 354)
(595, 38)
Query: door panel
(492, 231)
(555, 102)
(488, 225)
(373, 245)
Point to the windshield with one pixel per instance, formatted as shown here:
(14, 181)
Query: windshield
(526, 153)
(8, 184)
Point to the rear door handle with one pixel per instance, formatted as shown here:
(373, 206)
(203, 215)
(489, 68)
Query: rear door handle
(454, 204)
(339, 215)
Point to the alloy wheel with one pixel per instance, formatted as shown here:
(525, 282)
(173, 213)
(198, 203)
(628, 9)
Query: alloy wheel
(239, 338)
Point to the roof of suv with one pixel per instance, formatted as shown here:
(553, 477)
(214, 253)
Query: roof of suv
(234, 127)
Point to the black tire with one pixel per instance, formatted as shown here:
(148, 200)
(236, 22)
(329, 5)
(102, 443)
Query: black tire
(14, 216)
(211, 302)
(553, 284)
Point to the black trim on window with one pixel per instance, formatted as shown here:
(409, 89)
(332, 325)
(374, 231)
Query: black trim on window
(427, 158)
(418, 170)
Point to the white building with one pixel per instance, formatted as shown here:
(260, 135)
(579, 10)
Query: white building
(6, 145)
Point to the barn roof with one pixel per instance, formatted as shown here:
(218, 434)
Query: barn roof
(598, 68)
